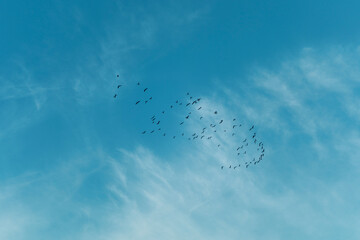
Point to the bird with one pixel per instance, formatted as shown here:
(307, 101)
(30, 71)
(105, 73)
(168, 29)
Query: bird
(152, 131)
(145, 89)
(199, 108)
(187, 117)
(117, 75)
(251, 128)
(143, 132)
(238, 149)
(222, 167)
(146, 101)
(182, 134)
(138, 83)
(158, 123)
(163, 112)
(221, 121)
(218, 145)
(119, 86)
(188, 104)
(115, 95)
(201, 118)
(137, 102)
(164, 134)
(245, 140)
(171, 106)
(215, 112)
(232, 134)
(234, 126)
(181, 123)
(174, 137)
(187, 94)
(150, 98)
(234, 119)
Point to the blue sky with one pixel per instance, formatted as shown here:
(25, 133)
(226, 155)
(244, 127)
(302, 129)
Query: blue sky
(73, 161)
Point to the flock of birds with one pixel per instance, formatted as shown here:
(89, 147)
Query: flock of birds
(249, 149)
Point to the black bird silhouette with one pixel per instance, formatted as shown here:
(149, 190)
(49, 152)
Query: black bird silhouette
(150, 98)
(164, 134)
(230, 166)
(138, 83)
(145, 89)
(182, 134)
(251, 128)
(137, 102)
(188, 104)
(222, 167)
(221, 121)
(194, 102)
(187, 117)
(152, 131)
(215, 112)
(234, 126)
(143, 132)
(199, 108)
(146, 101)
(159, 129)
(115, 95)
(163, 112)
(234, 119)
(198, 99)
(119, 86)
(187, 94)
(232, 134)
(181, 123)
(201, 118)
(238, 149)
(171, 106)
(117, 75)
(173, 137)
(190, 97)
(158, 123)
(245, 152)
(245, 140)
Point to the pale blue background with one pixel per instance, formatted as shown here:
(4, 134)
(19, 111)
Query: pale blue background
(74, 166)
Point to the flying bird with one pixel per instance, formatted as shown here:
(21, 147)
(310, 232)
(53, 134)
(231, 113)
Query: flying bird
(145, 89)
(115, 95)
(119, 86)
(137, 102)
